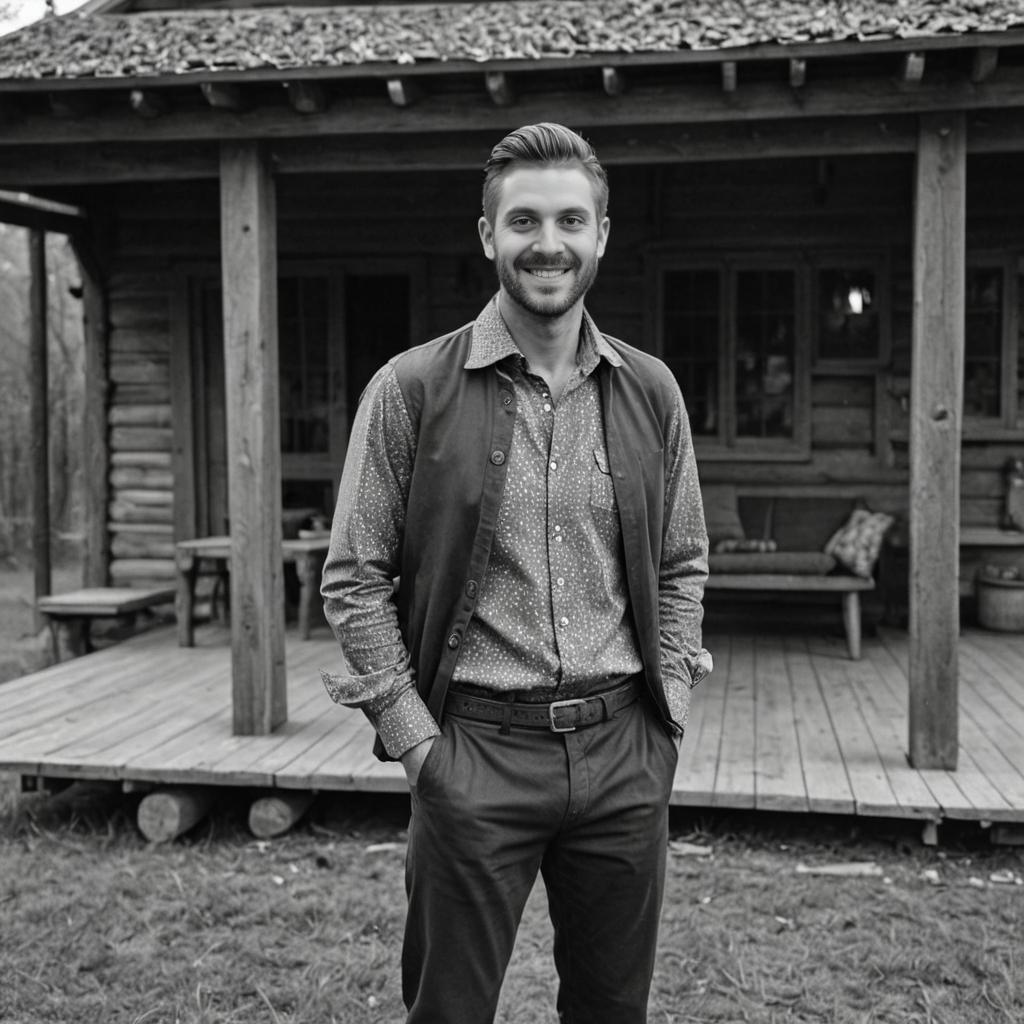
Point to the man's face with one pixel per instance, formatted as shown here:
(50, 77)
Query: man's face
(546, 239)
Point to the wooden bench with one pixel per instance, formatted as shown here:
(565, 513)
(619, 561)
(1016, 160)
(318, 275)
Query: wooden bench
(849, 587)
(307, 553)
(76, 609)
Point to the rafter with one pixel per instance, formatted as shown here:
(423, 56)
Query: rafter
(404, 92)
(149, 103)
(499, 88)
(223, 96)
(728, 76)
(613, 81)
(306, 97)
(984, 63)
(913, 67)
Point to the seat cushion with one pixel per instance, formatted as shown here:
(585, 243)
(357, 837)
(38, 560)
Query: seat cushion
(803, 563)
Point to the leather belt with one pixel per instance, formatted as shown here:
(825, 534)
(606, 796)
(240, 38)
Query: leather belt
(557, 716)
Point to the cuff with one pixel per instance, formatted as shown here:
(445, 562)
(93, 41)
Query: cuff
(403, 724)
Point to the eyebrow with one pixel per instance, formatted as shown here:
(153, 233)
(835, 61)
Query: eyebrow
(572, 211)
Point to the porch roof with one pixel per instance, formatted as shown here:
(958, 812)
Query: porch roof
(425, 37)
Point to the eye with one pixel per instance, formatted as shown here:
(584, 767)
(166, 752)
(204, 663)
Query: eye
(521, 222)
(573, 221)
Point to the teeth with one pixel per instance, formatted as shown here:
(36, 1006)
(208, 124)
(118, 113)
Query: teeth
(548, 273)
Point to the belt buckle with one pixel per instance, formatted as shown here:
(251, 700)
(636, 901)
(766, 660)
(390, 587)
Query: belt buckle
(575, 702)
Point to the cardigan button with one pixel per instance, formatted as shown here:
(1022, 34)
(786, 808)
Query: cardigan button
(497, 458)
(471, 588)
(453, 641)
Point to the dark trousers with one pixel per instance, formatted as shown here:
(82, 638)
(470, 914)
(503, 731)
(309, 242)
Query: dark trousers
(589, 810)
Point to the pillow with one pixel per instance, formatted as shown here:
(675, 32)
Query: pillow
(720, 514)
(856, 544)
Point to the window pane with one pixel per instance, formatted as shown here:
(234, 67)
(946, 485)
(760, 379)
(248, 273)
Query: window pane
(692, 342)
(848, 322)
(983, 342)
(765, 352)
(304, 364)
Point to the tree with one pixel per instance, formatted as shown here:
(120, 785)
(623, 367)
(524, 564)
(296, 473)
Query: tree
(65, 344)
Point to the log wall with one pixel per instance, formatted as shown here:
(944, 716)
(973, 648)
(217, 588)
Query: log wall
(801, 207)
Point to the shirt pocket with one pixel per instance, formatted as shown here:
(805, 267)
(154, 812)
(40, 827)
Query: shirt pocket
(602, 491)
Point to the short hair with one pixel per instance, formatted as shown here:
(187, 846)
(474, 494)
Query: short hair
(542, 145)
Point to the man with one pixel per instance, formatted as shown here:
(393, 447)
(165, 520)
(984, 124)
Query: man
(532, 484)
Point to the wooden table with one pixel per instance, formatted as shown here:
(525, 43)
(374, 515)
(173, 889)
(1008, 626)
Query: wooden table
(307, 554)
(77, 608)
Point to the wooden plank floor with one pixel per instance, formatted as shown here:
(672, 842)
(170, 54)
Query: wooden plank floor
(786, 722)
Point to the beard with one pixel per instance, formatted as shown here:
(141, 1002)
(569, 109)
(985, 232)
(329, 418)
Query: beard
(550, 306)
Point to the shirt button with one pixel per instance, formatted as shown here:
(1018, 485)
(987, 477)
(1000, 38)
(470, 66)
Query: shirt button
(497, 457)
(560, 581)
(558, 538)
(453, 641)
(558, 529)
(563, 621)
(553, 465)
(547, 407)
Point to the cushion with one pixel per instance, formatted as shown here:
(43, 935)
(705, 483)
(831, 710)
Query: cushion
(856, 544)
(794, 523)
(802, 563)
(723, 521)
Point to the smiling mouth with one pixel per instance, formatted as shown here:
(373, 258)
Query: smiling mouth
(547, 273)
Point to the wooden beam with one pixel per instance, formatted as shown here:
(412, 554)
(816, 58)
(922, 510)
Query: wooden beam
(95, 446)
(936, 404)
(39, 421)
(913, 67)
(249, 257)
(306, 97)
(662, 105)
(404, 92)
(224, 96)
(984, 63)
(40, 215)
(613, 81)
(149, 103)
(728, 76)
(797, 73)
(499, 88)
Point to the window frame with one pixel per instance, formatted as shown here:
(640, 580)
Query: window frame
(726, 446)
(1008, 419)
(836, 259)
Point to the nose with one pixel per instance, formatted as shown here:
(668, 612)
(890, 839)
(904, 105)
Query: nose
(548, 240)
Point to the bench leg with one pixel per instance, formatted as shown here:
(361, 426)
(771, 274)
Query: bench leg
(308, 568)
(851, 622)
(184, 599)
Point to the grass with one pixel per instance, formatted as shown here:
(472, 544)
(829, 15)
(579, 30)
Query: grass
(98, 926)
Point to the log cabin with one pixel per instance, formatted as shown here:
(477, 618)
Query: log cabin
(817, 223)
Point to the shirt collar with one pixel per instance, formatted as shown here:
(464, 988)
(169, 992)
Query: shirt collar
(492, 342)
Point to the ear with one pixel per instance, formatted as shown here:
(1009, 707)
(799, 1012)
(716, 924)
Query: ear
(602, 236)
(483, 225)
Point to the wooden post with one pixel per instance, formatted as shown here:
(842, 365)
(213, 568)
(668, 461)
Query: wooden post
(249, 258)
(39, 429)
(936, 404)
(95, 445)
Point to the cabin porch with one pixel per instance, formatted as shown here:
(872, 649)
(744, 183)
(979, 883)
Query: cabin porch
(787, 722)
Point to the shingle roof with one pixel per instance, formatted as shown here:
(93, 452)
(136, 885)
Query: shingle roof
(171, 43)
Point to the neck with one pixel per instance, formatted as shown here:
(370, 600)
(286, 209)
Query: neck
(549, 343)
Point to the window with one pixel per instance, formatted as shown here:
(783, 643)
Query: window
(734, 335)
(851, 325)
(993, 384)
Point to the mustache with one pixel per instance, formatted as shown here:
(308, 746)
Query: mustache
(533, 263)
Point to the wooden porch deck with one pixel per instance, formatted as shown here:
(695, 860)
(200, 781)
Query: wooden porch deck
(786, 722)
